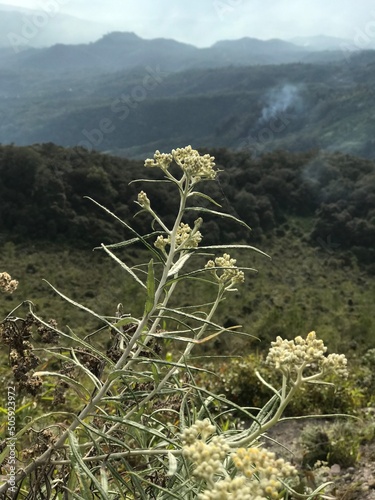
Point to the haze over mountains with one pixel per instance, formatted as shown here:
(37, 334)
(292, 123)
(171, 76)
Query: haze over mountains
(50, 25)
(127, 95)
(26, 28)
(118, 50)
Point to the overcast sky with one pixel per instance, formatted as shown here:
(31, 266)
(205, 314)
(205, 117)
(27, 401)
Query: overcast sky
(203, 22)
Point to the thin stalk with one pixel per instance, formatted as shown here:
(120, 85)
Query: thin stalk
(284, 401)
(42, 459)
(186, 353)
(122, 454)
(184, 192)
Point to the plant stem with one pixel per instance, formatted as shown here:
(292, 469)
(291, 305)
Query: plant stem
(89, 408)
(183, 357)
(284, 401)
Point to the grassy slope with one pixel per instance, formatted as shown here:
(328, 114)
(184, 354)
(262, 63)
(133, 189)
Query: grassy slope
(301, 289)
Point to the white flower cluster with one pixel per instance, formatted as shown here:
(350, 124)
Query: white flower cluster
(291, 355)
(143, 200)
(265, 468)
(186, 237)
(258, 471)
(207, 457)
(161, 160)
(7, 285)
(202, 428)
(230, 273)
(259, 477)
(195, 166)
(238, 488)
(336, 363)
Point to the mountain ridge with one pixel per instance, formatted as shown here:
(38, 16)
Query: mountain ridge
(116, 51)
(254, 108)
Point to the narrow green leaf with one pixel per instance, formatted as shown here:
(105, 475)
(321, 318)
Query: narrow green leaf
(74, 495)
(136, 481)
(82, 479)
(131, 241)
(122, 373)
(201, 320)
(206, 197)
(172, 464)
(106, 436)
(228, 403)
(89, 373)
(172, 363)
(149, 180)
(63, 357)
(140, 238)
(150, 288)
(104, 478)
(179, 264)
(79, 388)
(191, 275)
(155, 373)
(190, 340)
(121, 483)
(123, 265)
(72, 335)
(219, 247)
(149, 431)
(84, 308)
(126, 321)
(76, 455)
(220, 214)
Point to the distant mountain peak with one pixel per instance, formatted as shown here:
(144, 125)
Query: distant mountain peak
(119, 36)
(257, 43)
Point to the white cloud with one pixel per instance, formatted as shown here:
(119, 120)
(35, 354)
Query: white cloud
(204, 22)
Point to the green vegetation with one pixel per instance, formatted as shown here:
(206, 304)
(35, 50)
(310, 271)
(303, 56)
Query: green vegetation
(130, 420)
(254, 108)
(330, 195)
(336, 443)
(312, 212)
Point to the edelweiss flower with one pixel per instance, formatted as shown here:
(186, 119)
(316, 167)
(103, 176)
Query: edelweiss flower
(230, 274)
(258, 476)
(186, 237)
(291, 355)
(194, 165)
(161, 160)
(143, 200)
(208, 457)
(7, 285)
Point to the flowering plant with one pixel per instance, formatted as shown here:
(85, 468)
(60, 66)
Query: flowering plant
(145, 429)
(7, 284)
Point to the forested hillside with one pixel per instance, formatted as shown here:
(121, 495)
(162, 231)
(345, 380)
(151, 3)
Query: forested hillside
(43, 188)
(254, 109)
